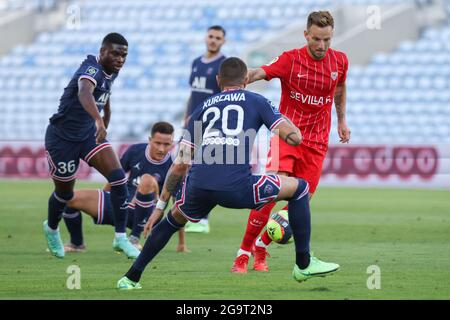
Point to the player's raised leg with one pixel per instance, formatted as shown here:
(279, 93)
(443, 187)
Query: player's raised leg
(281, 161)
(308, 166)
(296, 191)
(257, 220)
(106, 162)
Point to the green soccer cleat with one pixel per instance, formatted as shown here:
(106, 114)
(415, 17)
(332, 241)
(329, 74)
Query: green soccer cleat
(126, 284)
(54, 242)
(123, 244)
(316, 268)
(196, 227)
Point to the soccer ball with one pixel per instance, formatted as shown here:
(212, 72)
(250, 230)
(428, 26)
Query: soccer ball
(278, 227)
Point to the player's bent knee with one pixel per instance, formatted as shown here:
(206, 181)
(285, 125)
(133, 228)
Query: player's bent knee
(178, 217)
(302, 189)
(79, 197)
(147, 184)
(63, 196)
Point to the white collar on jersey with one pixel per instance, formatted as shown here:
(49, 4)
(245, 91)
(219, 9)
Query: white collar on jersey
(149, 159)
(205, 60)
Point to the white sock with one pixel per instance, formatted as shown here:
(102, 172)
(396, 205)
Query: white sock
(240, 252)
(259, 243)
(204, 221)
(121, 234)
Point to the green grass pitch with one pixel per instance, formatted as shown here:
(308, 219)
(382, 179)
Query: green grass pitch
(406, 233)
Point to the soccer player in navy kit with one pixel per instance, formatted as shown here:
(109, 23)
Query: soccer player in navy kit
(204, 85)
(77, 131)
(219, 134)
(147, 164)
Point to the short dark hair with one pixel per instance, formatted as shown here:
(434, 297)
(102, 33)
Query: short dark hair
(232, 71)
(218, 28)
(114, 38)
(321, 19)
(162, 127)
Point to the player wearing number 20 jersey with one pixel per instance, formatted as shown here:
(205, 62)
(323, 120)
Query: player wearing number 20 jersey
(227, 120)
(215, 133)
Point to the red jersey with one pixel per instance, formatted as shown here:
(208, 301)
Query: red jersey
(307, 90)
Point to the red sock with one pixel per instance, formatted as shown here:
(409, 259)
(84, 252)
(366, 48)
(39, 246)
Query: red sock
(257, 220)
(265, 236)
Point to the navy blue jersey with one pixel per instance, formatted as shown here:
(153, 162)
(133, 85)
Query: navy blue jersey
(137, 161)
(203, 80)
(223, 131)
(72, 122)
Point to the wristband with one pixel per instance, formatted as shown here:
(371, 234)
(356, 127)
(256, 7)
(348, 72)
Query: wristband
(161, 205)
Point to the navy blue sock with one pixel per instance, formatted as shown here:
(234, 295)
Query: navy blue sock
(157, 240)
(73, 221)
(143, 208)
(119, 195)
(300, 221)
(56, 204)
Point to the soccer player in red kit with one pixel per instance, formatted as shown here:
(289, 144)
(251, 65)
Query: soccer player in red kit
(311, 78)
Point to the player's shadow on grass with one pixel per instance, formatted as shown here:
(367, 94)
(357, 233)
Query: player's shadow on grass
(321, 289)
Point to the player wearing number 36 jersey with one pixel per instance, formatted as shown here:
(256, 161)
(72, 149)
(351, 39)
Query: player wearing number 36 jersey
(78, 131)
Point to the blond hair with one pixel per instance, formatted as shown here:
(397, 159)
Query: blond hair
(321, 19)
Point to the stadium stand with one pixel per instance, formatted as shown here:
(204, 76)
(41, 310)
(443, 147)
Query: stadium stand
(399, 97)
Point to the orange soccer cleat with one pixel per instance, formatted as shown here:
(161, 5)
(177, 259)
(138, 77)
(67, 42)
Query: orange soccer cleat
(260, 254)
(240, 264)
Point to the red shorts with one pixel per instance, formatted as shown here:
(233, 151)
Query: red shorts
(300, 161)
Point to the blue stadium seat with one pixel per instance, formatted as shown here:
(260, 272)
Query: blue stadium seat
(409, 84)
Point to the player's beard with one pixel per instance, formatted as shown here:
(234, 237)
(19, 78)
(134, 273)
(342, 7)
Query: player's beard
(317, 55)
(213, 50)
(320, 54)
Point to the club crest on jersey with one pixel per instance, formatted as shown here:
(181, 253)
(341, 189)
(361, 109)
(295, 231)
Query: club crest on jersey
(91, 71)
(268, 189)
(334, 75)
(209, 71)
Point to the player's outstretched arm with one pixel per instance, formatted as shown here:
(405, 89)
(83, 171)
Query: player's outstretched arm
(256, 74)
(85, 90)
(287, 131)
(340, 100)
(182, 247)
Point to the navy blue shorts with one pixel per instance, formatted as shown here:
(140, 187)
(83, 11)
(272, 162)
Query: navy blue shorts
(195, 203)
(64, 156)
(106, 213)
